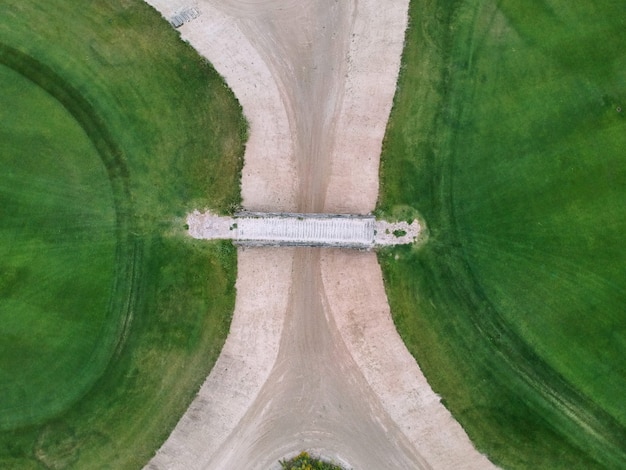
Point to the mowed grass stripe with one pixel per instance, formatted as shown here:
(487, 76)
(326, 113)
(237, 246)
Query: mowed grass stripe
(111, 156)
(175, 136)
(51, 351)
(506, 137)
(563, 202)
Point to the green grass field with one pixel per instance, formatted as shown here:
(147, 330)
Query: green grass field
(111, 129)
(506, 137)
(58, 255)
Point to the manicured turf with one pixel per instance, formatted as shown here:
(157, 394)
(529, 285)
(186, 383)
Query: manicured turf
(110, 316)
(57, 232)
(506, 137)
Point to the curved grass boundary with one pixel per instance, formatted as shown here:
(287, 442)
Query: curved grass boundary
(148, 102)
(58, 240)
(128, 249)
(509, 397)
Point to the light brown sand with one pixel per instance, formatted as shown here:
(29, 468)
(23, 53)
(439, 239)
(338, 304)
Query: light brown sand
(359, 307)
(312, 360)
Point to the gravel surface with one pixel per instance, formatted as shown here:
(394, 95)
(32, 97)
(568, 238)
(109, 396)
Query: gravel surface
(312, 361)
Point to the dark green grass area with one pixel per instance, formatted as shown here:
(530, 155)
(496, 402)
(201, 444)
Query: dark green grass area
(506, 137)
(111, 129)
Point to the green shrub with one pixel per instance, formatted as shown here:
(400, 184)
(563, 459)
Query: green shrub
(304, 461)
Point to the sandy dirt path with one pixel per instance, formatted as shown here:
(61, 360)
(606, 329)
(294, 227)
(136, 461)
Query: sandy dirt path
(312, 360)
(316, 397)
(304, 48)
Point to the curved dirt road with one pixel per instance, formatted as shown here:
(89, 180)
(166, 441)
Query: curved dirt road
(315, 396)
(305, 49)
(312, 360)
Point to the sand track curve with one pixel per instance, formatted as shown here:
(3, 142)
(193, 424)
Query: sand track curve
(312, 360)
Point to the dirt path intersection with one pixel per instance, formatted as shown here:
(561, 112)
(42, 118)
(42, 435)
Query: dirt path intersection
(312, 360)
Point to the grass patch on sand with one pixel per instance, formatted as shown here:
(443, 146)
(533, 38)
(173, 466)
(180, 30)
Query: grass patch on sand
(111, 317)
(508, 136)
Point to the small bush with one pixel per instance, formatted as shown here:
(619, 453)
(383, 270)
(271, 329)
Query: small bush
(305, 462)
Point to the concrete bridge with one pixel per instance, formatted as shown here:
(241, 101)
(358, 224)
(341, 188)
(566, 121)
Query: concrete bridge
(292, 229)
